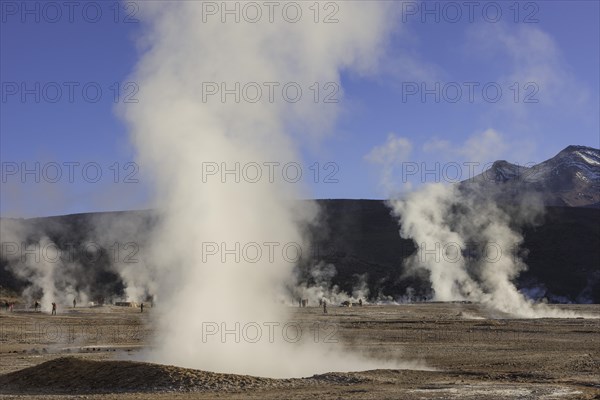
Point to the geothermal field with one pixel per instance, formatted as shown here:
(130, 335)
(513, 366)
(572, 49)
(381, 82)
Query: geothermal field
(425, 351)
(363, 199)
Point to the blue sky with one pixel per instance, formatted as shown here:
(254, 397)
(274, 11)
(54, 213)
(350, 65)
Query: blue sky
(552, 57)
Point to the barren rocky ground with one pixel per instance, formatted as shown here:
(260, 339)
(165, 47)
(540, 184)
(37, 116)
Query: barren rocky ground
(472, 353)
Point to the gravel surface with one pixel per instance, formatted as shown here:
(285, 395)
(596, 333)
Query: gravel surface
(471, 352)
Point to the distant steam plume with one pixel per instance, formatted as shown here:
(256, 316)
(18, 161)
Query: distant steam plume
(470, 244)
(468, 235)
(319, 286)
(52, 271)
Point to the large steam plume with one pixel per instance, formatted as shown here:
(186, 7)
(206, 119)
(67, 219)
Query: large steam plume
(177, 131)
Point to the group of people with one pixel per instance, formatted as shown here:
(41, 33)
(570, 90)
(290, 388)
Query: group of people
(323, 302)
(37, 305)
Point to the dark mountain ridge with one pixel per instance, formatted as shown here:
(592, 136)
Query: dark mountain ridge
(361, 237)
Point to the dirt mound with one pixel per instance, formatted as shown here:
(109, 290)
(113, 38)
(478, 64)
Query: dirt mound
(73, 375)
(68, 375)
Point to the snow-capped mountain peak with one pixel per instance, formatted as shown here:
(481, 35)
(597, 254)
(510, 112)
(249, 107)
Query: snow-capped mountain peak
(571, 178)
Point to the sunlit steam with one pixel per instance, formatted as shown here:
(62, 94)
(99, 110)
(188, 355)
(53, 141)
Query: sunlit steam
(447, 222)
(182, 135)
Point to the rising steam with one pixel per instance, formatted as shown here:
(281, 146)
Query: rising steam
(468, 235)
(52, 273)
(470, 243)
(177, 130)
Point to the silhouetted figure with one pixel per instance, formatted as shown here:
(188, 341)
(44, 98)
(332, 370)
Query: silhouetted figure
(35, 306)
(142, 307)
(360, 302)
(320, 302)
(74, 303)
(324, 307)
(53, 308)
